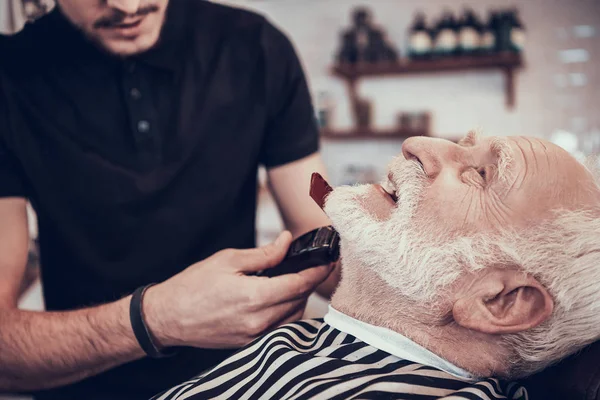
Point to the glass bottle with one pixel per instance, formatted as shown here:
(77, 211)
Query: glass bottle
(446, 36)
(489, 34)
(419, 39)
(470, 33)
(517, 32)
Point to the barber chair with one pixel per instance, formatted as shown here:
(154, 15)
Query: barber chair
(575, 378)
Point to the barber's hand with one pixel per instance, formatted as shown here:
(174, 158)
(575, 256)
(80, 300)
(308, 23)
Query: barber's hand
(215, 304)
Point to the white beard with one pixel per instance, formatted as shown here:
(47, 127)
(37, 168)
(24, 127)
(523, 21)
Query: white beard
(414, 259)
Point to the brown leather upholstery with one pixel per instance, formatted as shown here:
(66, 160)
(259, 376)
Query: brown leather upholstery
(575, 378)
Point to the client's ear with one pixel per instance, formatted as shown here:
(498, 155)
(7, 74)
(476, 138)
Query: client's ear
(502, 301)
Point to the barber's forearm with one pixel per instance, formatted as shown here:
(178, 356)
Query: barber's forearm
(40, 350)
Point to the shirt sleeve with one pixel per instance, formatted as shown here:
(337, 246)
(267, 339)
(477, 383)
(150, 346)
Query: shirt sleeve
(11, 180)
(291, 131)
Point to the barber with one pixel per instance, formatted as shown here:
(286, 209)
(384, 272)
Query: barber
(136, 128)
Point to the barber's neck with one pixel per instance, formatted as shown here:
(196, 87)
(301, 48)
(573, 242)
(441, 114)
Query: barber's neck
(366, 297)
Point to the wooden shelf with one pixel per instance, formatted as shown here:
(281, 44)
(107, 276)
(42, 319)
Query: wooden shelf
(506, 62)
(404, 66)
(368, 133)
(379, 134)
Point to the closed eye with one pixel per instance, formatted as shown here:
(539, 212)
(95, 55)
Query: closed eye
(488, 173)
(483, 173)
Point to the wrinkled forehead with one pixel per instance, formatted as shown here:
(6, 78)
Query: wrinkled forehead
(541, 157)
(531, 155)
(549, 173)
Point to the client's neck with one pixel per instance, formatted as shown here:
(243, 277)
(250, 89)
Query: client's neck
(366, 297)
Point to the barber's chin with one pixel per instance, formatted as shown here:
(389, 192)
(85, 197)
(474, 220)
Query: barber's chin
(126, 48)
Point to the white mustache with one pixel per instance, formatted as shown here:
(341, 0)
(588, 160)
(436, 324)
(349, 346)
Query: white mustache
(409, 179)
(406, 177)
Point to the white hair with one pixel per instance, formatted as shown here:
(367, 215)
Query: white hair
(564, 255)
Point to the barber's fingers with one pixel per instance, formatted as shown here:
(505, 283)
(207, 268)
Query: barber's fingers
(294, 315)
(289, 287)
(261, 258)
(284, 313)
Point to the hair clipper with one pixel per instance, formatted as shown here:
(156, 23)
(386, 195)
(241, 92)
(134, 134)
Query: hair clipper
(318, 247)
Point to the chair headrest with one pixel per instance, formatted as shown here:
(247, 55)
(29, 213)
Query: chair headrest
(575, 378)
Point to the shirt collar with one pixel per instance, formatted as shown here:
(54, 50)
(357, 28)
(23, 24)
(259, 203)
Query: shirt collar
(167, 52)
(393, 343)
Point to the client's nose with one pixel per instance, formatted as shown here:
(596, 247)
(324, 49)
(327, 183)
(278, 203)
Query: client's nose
(430, 152)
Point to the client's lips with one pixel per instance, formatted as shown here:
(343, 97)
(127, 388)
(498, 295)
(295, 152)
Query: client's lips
(319, 189)
(391, 197)
(390, 189)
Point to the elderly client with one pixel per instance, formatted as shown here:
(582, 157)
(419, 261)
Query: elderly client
(472, 261)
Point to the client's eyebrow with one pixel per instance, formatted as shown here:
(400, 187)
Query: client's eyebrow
(470, 140)
(505, 160)
(500, 148)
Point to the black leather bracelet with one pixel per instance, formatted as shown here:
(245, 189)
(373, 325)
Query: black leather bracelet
(140, 329)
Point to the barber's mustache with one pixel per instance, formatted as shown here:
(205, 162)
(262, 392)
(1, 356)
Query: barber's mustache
(118, 17)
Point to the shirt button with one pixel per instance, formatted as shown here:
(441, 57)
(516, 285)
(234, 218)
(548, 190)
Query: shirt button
(130, 66)
(135, 93)
(143, 126)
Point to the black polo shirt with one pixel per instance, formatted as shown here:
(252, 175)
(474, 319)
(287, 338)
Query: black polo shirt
(139, 167)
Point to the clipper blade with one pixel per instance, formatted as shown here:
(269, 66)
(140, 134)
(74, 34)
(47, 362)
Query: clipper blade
(319, 189)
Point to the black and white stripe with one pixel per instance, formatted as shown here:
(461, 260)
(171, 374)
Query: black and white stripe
(312, 360)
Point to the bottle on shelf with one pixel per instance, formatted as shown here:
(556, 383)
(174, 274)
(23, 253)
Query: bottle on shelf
(446, 36)
(470, 33)
(489, 34)
(503, 31)
(391, 54)
(379, 49)
(365, 42)
(354, 44)
(362, 27)
(517, 32)
(388, 52)
(363, 110)
(420, 43)
(348, 53)
(324, 108)
(375, 47)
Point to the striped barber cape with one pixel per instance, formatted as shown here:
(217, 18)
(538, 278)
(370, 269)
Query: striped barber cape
(312, 359)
